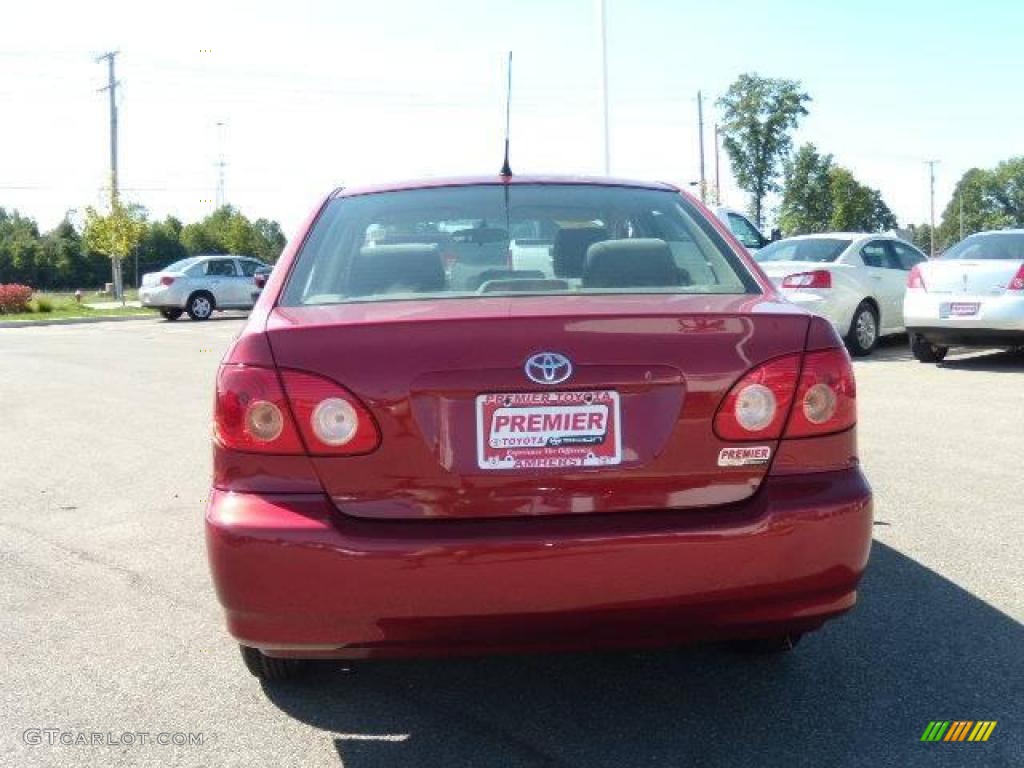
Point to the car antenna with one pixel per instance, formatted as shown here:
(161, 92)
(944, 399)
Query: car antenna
(506, 169)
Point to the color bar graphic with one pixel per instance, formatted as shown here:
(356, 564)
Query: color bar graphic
(958, 730)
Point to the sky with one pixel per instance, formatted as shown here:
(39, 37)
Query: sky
(316, 94)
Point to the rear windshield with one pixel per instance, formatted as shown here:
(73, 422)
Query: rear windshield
(988, 246)
(818, 249)
(181, 266)
(522, 239)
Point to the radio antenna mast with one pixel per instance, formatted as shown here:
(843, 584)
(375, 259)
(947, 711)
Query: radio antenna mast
(506, 169)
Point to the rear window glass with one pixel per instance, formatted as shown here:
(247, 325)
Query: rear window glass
(819, 249)
(988, 246)
(181, 266)
(521, 239)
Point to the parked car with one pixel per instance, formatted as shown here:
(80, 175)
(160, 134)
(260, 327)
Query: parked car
(631, 452)
(855, 280)
(201, 285)
(971, 295)
(743, 229)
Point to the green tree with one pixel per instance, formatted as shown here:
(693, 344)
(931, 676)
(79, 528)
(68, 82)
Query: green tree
(984, 199)
(116, 235)
(856, 207)
(19, 249)
(758, 115)
(807, 194)
(227, 230)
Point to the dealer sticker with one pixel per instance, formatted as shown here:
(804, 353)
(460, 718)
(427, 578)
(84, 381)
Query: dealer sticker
(744, 457)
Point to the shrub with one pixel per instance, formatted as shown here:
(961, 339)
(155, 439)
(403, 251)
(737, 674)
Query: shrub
(44, 305)
(14, 298)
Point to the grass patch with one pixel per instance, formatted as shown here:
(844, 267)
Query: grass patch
(61, 306)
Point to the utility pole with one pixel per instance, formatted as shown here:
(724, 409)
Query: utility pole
(931, 177)
(603, 32)
(700, 140)
(961, 214)
(718, 178)
(111, 88)
(220, 163)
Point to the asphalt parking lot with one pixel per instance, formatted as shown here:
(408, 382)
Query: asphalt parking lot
(110, 624)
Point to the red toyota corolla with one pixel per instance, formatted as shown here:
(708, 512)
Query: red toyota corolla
(514, 413)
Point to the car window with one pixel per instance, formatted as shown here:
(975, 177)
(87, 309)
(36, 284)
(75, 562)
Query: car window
(744, 231)
(876, 254)
(220, 268)
(180, 266)
(249, 267)
(907, 256)
(817, 249)
(989, 245)
(449, 242)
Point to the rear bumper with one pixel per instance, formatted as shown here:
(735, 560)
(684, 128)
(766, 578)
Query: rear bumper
(969, 337)
(999, 320)
(297, 579)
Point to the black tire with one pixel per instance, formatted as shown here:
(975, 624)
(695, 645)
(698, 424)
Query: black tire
(268, 668)
(200, 305)
(767, 645)
(926, 352)
(171, 314)
(863, 334)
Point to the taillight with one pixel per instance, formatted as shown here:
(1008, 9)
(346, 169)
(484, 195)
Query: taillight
(756, 406)
(260, 280)
(331, 419)
(817, 393)
(251, 413)
(819, 278)
(1017, 283)
(915, 280)
(826, 399)
(166, 280)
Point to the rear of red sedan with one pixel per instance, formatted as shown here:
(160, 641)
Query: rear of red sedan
(422, 448)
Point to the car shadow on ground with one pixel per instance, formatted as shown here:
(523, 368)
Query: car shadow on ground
(858, 693)
(994, 361)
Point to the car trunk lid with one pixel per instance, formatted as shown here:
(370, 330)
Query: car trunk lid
(658, 366)
(973, 277)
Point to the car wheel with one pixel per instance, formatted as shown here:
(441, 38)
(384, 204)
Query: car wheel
(863, 335)
(926, 352)
(171, 314)
(267, 668)
(200, 306)
(767, 645)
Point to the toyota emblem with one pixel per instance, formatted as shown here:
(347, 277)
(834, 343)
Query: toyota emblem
(548, 368)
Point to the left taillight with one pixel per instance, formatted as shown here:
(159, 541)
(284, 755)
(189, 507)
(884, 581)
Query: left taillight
(819, 278)
(166, 280)
(253, 412)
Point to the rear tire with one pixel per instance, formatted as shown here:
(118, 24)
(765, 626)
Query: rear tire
(926, 352)
(268, 668)
(863, 335)
(200, 306)
(762, 646)
(171, 314)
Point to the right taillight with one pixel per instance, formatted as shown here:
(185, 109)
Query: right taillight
(1017, 283)
(915, 280)
(819, 278)
(814, 391)
(826, 398)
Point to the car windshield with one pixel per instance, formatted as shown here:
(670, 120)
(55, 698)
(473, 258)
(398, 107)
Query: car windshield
(181, 266)
(521, 239)
(989, 246)
(817, 249)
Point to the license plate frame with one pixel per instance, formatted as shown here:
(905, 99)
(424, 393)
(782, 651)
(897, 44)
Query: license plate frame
(580, 429)
(949, 309)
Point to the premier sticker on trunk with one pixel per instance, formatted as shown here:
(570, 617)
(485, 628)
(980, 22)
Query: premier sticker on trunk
(744, 457)
(530, 430)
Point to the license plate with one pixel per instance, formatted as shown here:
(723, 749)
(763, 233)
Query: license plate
(539, 430)
(958, 309)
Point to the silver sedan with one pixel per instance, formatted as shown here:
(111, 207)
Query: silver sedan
(972, 295)
(202, 284)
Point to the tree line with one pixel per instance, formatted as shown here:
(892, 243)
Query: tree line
(65, 258)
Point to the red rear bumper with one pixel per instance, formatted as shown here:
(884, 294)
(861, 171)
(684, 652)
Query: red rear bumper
(297, 578)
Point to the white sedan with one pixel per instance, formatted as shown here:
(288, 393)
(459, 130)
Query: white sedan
(972, 295)
(854, 280)
(201, 284)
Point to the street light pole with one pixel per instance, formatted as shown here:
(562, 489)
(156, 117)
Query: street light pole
(700, 139)
(603, 32)
(931, 176)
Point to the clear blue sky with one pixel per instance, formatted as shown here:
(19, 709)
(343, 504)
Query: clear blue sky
(318, 93)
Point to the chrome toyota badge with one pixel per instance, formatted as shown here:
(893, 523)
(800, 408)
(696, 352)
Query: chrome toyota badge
(548, 368)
